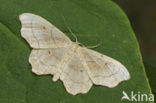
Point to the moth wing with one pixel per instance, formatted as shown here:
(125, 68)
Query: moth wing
(75, 77)
(47, 61)
(39, 33)
(104, 70)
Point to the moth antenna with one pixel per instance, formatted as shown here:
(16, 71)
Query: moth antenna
(82, 44)
(94, 46)
(69, 29)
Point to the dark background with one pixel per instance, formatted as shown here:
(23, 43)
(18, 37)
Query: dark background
(142, 15)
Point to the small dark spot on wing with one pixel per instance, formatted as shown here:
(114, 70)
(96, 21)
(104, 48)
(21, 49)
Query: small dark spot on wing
(49, 52)
(44, 27)
(81, 70)
(106, 64)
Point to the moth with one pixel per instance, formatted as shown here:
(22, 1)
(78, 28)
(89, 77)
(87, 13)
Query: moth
(76, 66)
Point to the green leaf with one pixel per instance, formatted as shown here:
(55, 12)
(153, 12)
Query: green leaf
(151, 70)
(93, 22)
(150, 66)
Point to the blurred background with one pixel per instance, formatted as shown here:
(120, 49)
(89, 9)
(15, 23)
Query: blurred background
(142, 15)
